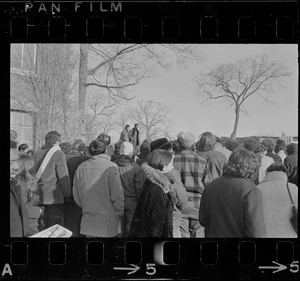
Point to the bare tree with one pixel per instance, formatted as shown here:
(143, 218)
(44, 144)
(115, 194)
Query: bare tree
(116, 68)
(152, 118)
(47, 90)
(237, 82)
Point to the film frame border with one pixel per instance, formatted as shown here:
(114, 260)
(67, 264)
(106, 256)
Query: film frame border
(267, 251)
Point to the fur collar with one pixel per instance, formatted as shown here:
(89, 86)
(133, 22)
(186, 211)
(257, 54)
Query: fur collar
(156, 177)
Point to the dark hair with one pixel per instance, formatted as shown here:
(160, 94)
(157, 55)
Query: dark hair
(159, 158)
(104, 138)
(23, 146)
(136, 124)
(65, 147)
(242, 163)
(13, 144)
(97, 147)
(127, 126)
(218, 139)
(78, 145)
(279, 141)
(292, 148)
(276, 167)
(206, 142)
(269, 144)
(280, 146)
(52, 137)
(232, 145)
(251, 144)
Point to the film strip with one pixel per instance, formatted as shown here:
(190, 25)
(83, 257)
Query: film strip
(196, 22)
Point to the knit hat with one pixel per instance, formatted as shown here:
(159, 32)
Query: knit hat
(126, 148)
(186, 139)
(161, 143)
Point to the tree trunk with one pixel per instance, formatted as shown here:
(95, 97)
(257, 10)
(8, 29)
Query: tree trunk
(236, 122)
(83, 63)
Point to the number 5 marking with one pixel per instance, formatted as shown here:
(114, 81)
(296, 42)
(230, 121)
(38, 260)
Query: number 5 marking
(151, 270)
(294, 267)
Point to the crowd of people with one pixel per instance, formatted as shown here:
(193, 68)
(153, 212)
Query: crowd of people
(185, 188)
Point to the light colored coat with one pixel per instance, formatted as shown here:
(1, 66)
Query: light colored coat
(97, 190)
(277, 205)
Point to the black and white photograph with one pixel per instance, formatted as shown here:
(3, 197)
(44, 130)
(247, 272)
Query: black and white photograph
(153, 140)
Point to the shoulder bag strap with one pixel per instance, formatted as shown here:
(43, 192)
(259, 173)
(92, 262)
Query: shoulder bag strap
(289, 193)
(50, 152)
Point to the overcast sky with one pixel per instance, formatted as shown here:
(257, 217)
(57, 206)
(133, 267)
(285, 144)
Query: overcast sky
(176, 89)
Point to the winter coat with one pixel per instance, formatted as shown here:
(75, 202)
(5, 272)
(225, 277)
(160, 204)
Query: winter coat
(134, 137)
(216, 161)
(277, 205)
(97, 190)
(19, 221)
(153, 213)
(232, 207)
(131, 179)
(124, 136)
(54, 184)
(291, 164)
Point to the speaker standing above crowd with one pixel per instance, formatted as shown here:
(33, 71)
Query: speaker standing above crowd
(157, 188)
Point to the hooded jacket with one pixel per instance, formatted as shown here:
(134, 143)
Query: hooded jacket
(130, 173)
(153, 213)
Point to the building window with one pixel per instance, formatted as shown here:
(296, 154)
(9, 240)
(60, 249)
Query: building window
(23, 57)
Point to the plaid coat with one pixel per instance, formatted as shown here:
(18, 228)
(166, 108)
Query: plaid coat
(194, 174)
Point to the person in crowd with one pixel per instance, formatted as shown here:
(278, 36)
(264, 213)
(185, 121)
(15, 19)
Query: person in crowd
(176, 147)
(194, 175)
(219, 146)
(116, 153)
(23, 148)
(131, 180)
(54, 184)
(26, 180)
(153, 213)
(215, 159)
(277, 205)
(65, 147)
(98, 191)
(231, 205)
(134, 136)
(125, 134)
(280, 149)
(107, 140)
(253, 145)
(144, 151)
(19, 221)
(232, 145)
(291, 163)
(178, 187)
(72, 211)
(269, 144)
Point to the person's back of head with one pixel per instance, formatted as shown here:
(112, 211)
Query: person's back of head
(280, 146)
(206, 142)
(269, 144)
(104, 138)
(79, 145)
(52, 137)
(97, 147)
(186, 140)
(292, 148)
(159, 158)
(65, 147)
(232, 145)
(242, 163)
(251, 144)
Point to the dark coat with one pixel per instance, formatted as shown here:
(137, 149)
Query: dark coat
(232, 207)
(19, 221)
(153, 213)
(291, 164)
(54, 184)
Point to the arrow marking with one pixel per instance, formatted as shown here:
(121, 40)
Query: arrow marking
(132, 270)
(279, 267)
